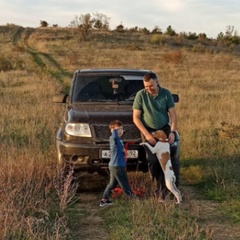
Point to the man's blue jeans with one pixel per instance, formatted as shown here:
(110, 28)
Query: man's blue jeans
(118, 175)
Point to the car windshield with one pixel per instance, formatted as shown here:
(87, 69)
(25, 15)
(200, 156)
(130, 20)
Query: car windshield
(105, 88)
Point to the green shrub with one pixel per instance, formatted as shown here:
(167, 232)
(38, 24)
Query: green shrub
(156, 39)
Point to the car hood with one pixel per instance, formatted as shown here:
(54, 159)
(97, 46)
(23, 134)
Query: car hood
(100, 114)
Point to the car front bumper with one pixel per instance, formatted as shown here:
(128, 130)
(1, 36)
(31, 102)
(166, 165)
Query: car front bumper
(89, 157)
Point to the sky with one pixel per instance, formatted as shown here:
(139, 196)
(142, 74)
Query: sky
(196, 16)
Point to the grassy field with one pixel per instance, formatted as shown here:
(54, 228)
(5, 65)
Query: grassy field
(37, 63)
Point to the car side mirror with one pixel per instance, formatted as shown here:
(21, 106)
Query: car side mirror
(175, 98)
(60, 98)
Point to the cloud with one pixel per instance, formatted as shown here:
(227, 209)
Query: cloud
(197, 16)
(171, 5)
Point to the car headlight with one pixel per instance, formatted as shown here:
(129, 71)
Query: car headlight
(78, 129)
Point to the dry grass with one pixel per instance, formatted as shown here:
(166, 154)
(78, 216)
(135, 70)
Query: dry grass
(148, 219)
(42, 64)
(31, 204)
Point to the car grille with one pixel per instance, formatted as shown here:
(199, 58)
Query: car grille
(130, 132)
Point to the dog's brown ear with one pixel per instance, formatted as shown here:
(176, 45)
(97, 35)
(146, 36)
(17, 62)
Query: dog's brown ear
(163, 134)
(155, 134)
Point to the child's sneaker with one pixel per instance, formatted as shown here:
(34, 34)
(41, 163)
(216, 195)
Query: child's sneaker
(105, 203)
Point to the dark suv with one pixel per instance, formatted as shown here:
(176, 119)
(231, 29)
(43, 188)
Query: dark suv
(96, 97)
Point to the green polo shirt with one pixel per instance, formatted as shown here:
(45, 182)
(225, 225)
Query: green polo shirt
(154, 109)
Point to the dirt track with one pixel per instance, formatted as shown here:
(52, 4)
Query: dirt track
(88, 223)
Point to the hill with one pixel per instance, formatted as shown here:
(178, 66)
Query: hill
(36, 63)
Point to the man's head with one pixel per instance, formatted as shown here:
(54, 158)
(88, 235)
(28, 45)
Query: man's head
(150, 82)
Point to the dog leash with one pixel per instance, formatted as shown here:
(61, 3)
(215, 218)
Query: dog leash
(126, 149)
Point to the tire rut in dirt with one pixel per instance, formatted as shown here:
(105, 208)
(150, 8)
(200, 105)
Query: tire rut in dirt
(87, 222)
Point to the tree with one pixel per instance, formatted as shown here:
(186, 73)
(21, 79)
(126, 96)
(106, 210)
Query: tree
(230, 31)
(120, 28)
(202, 36)
(156, 29)
(220, 36)
(144, 30)
(101, 21)
(43, 23)
(235, 39)
(133, 29)
(84, 24)
(192, 36)
(170, 31)
(230, 36)
(98, 24)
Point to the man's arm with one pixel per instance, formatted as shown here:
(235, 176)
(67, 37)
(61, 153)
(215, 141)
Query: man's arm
(173, 120)
(137, 121)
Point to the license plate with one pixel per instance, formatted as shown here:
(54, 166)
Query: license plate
(130, 153)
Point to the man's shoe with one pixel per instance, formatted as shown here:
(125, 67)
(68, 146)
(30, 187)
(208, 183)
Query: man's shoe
(161, 197)
(105, 203)
(162, 200)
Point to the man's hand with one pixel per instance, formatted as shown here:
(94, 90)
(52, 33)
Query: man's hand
(171, 138)
(150, 139)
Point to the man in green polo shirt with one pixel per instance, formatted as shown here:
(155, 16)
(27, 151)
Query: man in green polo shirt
(154, 109)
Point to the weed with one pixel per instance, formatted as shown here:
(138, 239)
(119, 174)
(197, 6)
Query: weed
(66, 187)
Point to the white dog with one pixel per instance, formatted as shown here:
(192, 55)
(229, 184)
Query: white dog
(162, 150)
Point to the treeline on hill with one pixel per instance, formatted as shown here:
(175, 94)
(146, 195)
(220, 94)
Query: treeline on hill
(99, 21)
(86, 22)
(88, 29)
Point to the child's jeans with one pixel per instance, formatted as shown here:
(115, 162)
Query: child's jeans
(118, 175)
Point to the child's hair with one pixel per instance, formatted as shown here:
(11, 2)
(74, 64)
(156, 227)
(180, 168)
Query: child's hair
(115, 123)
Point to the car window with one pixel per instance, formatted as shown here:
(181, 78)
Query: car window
(104, 88)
